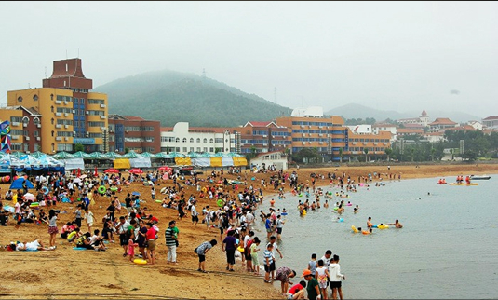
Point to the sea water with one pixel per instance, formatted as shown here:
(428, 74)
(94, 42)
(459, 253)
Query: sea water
(447, 247)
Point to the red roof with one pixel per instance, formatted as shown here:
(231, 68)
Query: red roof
(443, 121)
(465, 127)
(490, 118)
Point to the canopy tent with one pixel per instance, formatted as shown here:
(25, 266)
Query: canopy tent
(121, 163)
(164, 155)
(111, 155)
(17, 184)
(147, 154)
(202, 162)
(74, 163)
(132, 154)
(96, 155)
(81, 154)
(140, 162)
(215, 162)
(62, 155)
(239, 161)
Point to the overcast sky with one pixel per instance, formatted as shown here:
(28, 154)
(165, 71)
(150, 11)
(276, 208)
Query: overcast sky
(400, 56)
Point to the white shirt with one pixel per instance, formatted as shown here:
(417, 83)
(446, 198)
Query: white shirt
(326, 261)
(335, 272)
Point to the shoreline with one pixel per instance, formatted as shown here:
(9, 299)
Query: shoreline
(103, 274)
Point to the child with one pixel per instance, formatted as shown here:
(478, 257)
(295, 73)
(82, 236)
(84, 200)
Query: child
(253, 249)
(312, 265)
(268, 259)
(297, 291)
(153, 193)
(322, 275)
(131, 246)
(336, 277)
(89, 219)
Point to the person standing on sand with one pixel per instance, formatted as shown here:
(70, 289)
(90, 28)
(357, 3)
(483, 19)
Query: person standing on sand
(229, 246)
(171, 242)
(52, 227)
(201, 251)
(335, 277)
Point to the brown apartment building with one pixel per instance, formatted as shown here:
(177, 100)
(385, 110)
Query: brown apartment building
(134, 133)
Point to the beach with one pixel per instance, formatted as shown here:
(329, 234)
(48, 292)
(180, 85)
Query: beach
(66, 273)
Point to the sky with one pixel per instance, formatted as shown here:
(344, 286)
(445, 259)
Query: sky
(402, 56)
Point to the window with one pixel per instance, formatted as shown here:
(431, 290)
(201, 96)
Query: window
(184, 140)
(35, 98)
(205, 141)
(178, 140)
(192, 141)
(184, 149)
(19, 99)
(198, 140)
(210, 141)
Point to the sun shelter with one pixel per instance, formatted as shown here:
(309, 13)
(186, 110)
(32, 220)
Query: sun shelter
(17, 184)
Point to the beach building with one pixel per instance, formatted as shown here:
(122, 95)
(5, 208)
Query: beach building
(442, 124)
(475, 124)
(359, 142)
(393, 129)
(423, 120)
(63, 113)
(263, 137)
(403, 132)
(184, 139)
(490, 122)
(276, 158)
(133, 133)
(434, 137)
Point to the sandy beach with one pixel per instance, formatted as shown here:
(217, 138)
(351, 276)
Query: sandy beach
(66, 273)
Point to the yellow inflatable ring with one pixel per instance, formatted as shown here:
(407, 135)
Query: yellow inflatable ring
(354, 229)
(158, 201)
(220, 202)
(140, 261)
(240, 249)
(102, 189)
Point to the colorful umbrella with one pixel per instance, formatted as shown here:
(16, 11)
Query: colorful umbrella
(164, 168)
(135, 171)
(111, 171)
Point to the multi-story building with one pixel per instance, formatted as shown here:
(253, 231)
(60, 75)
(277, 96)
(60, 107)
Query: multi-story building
(378, 127)
(133, 133)
(69, 113)
(25, 127)
(263, 137)
(375, 143)
(442, 124)
(326, 134)
(490, 122)
(423, 120)
(183, 139)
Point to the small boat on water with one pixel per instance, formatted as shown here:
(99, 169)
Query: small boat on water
(480, 177)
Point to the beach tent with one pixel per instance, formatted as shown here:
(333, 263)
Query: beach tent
(239, 161)
(17, 184)
(183, 161)
(215, 161)
(121, 163)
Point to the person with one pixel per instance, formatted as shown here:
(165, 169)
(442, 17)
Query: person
(273, 240)
(77, 215)
(201, 251)
(89, 219)
(171, 238)
(131, 246)
(336, 277)
(369, 222)
(121, 229)
(297, 291)
(279, 226)
(326, 258)
(397, 224)
(322, 276)
(253, 250)
(248, 240)
(151, 242)
(268, 226)
(36, 245)
(312, 265)
(283, 274)
(229, 246)
(312, 286)
(9, 195)
(52, 227)
(268, 261)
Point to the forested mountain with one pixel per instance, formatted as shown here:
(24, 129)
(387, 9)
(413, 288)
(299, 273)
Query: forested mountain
(172, 97)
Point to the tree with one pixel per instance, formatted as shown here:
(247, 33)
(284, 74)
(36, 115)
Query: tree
(217, 150)
(127, 150)
(341, 153)
(388, 152)
(79, 147)
(366, 153)
(433, 152)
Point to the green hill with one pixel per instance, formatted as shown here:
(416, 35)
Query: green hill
(172, 97)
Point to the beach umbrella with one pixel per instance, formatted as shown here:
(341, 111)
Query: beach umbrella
(147, 154)
(112, 155)
(96, 155)
(132, 154)
(63, 155)
(81, 154)
(111, 171)
(135, 171)
(38, 154)
(164, 155)
(164, 168)
(83, 176)
(135, 193)
(29, 196)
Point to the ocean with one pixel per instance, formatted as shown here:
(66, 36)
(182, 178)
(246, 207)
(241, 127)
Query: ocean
(447, 247)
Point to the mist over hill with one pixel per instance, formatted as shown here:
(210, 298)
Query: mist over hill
(172, 97)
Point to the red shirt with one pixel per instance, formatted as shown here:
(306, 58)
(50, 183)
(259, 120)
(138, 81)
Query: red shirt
(151, 234)
(295, 288)
(154, 219)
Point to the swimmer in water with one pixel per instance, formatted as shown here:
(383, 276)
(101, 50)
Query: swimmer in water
(356, 209)
(397, 224)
